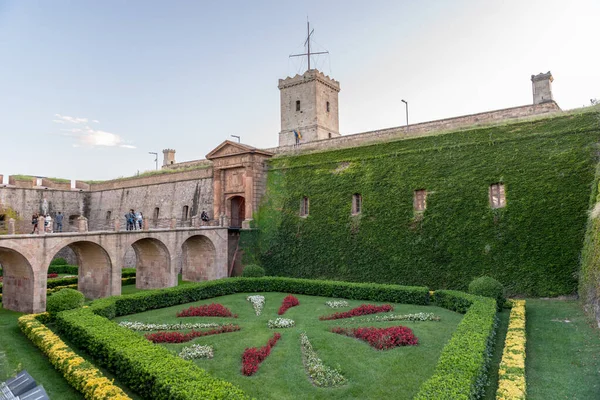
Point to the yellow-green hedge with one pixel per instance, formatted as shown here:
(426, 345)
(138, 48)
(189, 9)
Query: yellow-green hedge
(511, 376)
(80, 374)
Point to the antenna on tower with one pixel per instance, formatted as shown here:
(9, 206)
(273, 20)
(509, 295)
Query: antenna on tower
(307, 44)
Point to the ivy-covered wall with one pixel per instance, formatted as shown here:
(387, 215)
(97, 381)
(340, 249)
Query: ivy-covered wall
(532, 245)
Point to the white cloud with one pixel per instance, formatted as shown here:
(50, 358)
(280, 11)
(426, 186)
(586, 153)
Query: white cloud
(86, 136)
(95, 121)
(73, 120)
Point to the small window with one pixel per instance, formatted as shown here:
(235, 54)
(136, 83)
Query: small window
(297, 105)
(420, 200)
(497, 196)
(329, 135)
(327, 106)
(156, 213)
(304, 207)
(184, 213)
(108, 215)
(356, 204)
(172, 162)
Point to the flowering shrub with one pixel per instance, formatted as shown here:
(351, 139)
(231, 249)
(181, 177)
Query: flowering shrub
(399, 317)
(178, 337)
(511, 375)
(363, 309)
(80, 374)
(252, 356)
(258, 302)
(140, 326)
(289, 302)
(337, 303)
(281, 323)
(381, 338)
(196, 351)
(50, 276)
(319, 374)
(207, 310)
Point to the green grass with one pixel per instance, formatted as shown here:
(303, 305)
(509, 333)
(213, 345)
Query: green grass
(490, 390)
(372, 374)
(562, 357)
(22, 354)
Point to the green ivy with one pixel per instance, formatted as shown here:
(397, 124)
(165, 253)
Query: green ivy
(531, 246)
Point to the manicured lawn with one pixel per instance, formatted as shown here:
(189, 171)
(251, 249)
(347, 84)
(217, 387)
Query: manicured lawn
(563, 358)
(371, 374)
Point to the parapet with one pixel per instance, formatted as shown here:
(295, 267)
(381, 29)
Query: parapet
(308, 76)
(542, 77)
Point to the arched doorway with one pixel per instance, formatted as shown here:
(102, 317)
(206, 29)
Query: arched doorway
(153, 265)
(18, 283)
(198, 256)
(237, 211)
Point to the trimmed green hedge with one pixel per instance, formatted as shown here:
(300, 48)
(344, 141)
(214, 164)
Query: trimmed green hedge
(531, 246)
(461, 371)
(64, 299)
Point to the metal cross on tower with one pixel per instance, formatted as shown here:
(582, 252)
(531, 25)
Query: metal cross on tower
(307, 44)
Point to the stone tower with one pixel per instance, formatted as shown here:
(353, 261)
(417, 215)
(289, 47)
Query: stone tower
(168, 157)
(542, 87)
(309, 105)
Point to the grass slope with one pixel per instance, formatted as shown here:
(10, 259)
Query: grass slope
(372, 374)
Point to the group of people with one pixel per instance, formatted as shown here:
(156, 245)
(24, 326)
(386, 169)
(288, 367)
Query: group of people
(134, 220)
(46, 219)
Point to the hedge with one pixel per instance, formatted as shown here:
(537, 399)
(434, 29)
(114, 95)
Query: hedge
(461, 371)
(80, 374)
(532, 246)
(511, 375)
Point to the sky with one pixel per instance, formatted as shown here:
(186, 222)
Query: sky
(89, 88)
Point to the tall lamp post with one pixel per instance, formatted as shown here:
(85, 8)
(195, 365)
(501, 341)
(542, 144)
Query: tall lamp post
(406, 104)
(155, 158)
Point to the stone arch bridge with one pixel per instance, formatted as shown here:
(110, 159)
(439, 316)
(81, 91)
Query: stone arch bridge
(25, 260)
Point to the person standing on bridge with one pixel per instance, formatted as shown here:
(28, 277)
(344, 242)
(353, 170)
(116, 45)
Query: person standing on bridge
(130, 218)
(59, 220)
(34, 223)
(139, 217)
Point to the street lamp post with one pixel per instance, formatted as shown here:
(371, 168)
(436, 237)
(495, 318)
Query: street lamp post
(155, 158)
(406, 104)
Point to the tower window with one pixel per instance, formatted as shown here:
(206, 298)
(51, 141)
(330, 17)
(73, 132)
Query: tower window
(108, 215)
(297, 105)
(156, 212)
(184, 213)
(420, 200)
(304, 207)
(327, 106)
(497, 196)
(356, 203)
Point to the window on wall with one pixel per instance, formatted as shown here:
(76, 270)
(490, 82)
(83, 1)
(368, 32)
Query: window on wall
(356, 203)
(420, 200)
(108, 215)
(304, 207)
(156, 213)
(327, 106)
(184, 213)
(297, 105)
(497, 196)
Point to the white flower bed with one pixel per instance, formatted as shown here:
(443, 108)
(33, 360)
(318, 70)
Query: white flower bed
(281, 323)
(397, 317)
(196, 351)
(258, 302)
(140, 326)
(320, 374)
(337, 303)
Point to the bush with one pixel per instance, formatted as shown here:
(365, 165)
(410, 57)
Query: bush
(488, 287)
(63, 269)
(59, 261)
(64, 299)
(253, 271)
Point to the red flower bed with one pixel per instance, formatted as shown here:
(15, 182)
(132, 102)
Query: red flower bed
(50, 276)
(253, 356)
(363, 309)
(289, 302)
(178, 337)
(207, 310)
(381, 338)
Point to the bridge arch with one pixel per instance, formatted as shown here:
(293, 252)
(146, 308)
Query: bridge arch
(199, 256)
(18, 285)
(95, 267)
(153, 264)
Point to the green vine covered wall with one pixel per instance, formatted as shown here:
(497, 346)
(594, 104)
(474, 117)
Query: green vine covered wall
(532, 245)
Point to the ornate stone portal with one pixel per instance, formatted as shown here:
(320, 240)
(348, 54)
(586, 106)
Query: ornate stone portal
(238, 182)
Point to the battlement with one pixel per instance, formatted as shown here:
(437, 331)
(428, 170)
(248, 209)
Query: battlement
(308, 76)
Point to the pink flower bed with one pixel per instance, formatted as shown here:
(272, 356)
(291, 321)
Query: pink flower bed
(178, 337)
(253, 356)
(289, 302)
(363, 309)
(207, 310)
(381, 338)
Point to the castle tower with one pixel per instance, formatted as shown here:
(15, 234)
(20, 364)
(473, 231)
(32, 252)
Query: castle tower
(542, 87)
(168, 157)
(309, 106)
